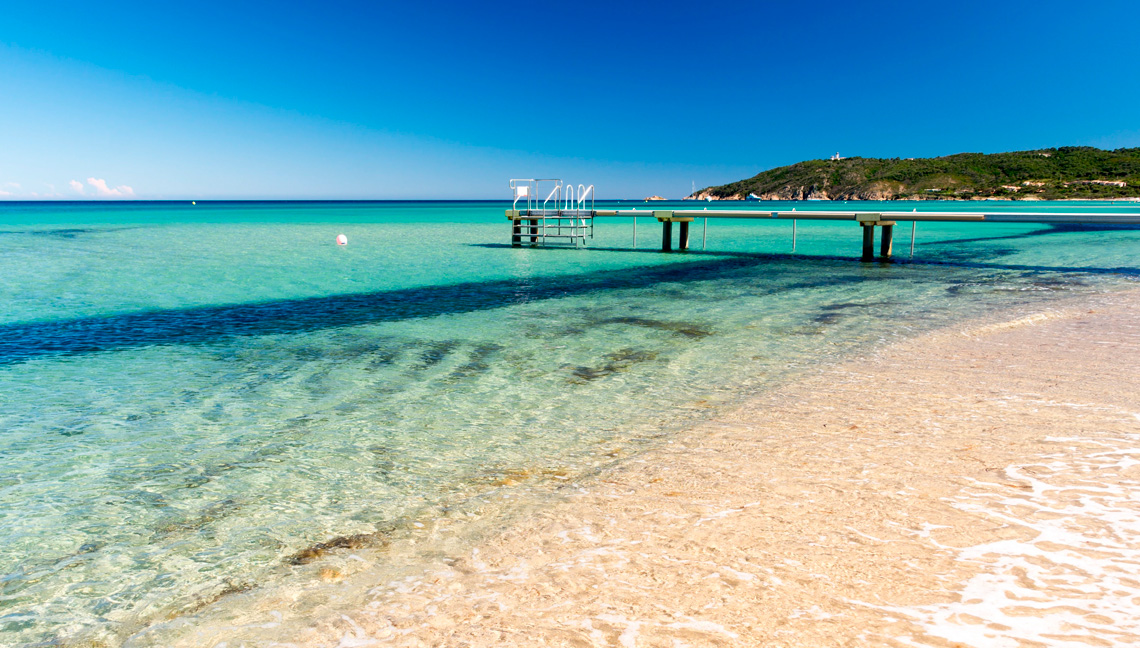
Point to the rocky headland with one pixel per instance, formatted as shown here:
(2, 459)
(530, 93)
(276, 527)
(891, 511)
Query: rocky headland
(1067, 173)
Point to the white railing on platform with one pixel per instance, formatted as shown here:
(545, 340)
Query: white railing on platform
(522, 189)
(555, 193)
(569, 220)
(582, 193)
(528, 188)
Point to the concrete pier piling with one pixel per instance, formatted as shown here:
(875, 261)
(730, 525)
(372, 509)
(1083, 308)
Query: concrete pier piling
(667, 218)
(888, 239)
(869, 222)
(868, 242)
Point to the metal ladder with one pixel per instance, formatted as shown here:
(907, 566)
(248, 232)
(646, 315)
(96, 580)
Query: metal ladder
(569, 222)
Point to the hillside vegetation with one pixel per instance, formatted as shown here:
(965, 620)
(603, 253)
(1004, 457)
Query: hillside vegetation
(1071, 172)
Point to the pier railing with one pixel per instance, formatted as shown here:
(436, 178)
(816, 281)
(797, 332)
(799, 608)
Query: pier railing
(867, 220)
(568, 222)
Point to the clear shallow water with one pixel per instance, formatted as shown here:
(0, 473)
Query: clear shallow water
(191, 397)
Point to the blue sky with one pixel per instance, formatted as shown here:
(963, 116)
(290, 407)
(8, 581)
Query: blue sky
(441, 100)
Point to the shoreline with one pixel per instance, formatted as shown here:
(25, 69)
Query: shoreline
(850, 518)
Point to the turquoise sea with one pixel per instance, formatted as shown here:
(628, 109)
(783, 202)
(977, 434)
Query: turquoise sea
(202, 403)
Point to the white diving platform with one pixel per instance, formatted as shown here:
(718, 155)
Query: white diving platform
(569, 222)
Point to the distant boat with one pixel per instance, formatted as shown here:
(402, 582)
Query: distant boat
(753, 196)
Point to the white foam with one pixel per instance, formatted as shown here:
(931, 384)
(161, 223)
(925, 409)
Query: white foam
(718, 515)
(628, 637)
(356, 637)
(1069, 581)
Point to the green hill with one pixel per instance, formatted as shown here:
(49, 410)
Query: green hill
(1071, 172)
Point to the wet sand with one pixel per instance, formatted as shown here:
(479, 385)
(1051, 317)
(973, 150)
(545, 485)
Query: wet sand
(978, 486)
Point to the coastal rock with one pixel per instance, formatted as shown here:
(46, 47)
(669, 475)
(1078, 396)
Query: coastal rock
(707, 194)
(880, 191)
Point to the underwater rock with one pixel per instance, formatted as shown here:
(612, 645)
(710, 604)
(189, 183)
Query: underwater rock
(206, 601)
(478, 362)
(827, 318)
(681, 328)
(847, 305)
(435, 353)
(620, 360)
(355, 541)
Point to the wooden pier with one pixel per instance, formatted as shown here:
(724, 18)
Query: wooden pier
(531, 223)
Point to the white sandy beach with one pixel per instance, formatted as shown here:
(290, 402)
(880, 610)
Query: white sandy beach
(973, 487)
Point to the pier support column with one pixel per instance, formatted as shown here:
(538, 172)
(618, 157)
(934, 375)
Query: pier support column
(666, 218)
(516, 227)
(868, 242)
(885, 247)
(534, 230)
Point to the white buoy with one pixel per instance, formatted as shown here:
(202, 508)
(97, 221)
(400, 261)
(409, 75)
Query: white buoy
(341, 239)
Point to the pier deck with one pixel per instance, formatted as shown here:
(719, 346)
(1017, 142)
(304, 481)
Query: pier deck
(869, 220)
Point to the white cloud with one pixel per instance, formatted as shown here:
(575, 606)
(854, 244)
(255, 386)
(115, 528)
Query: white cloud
(101, 188)
(14, 185)
(76, 185)
(5, 193)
